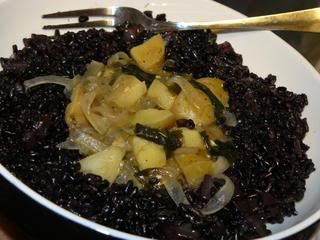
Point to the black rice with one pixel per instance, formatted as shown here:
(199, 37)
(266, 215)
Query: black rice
(269, 172)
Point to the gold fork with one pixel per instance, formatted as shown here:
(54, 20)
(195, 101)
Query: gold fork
(304, 21)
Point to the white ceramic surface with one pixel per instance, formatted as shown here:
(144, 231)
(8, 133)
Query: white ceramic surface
(263, 52)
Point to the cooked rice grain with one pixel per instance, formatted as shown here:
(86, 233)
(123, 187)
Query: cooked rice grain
(269, 173)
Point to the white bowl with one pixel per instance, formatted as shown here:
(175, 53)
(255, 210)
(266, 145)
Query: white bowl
(263, 52)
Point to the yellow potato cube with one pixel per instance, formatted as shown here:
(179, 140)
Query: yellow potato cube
(148, 154)
(155, 118)
(127, 90)
(216, 87)
(184, 160)
(194, 167)
(150, 54)
(161, 95)
(106, 163)
(195, 172)
(191, 138)
(182, 108)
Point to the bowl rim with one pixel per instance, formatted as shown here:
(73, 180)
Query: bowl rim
(119, 234)
(123, 235)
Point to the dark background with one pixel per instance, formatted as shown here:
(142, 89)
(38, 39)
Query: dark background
(306, 43)
(21, 218)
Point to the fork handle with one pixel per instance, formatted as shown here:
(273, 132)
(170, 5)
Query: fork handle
(303, 21)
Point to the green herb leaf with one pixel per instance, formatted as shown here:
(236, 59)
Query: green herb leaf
(151, 134)
(138, 73)
(170, 140)
(225, 149)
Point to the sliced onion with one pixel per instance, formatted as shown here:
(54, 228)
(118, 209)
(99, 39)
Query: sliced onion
(168, 178)
(220, 166)
(68, 144)
(63, 81)
(117, 119)
(122, 141)
(118, 59)
(231, 120)
(192, 103)
(170, 63)
(103, 116)
(127, 173)
(174, 190)
(182, 83)
(99, 123)
(194, 96)
(86, 143)
(221, 198)
(94, 68)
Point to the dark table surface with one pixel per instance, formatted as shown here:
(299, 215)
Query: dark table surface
(19, 216)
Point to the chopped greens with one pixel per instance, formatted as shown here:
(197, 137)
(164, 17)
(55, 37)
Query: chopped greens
(188, 123)
(151, 134)
(170, 140)
(225, 149)
(138, 73)
(141, 125)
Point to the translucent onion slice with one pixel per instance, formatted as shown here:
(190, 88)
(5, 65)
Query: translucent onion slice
(189, 91)
(174, 190)
(220, 166)
(116, 118)
(221, 198)
(68, 144)
(168, 178)
(127, 173)
(118, 59)
(99, 122)
(94, 69)
(86, 143)
(51, 79)
(193, 103)
(231, 120)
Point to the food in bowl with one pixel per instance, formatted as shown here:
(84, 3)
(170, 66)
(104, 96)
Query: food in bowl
(165, 136)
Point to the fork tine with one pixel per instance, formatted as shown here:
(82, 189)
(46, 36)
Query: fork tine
(105, 12)
(100, 23)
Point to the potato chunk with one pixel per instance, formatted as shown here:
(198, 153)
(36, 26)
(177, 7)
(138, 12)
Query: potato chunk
(148, 154)
(195, 172)
(182, 108)
(191, 138)
(216, 87)
(155, 118)
(192, 103)
(150, 54)
(127, 90)
(194, 168)
(161, 95)
(184, 159)
(106, 163)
